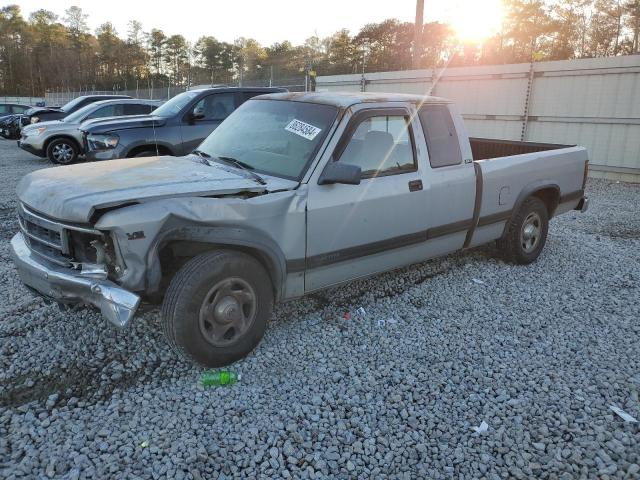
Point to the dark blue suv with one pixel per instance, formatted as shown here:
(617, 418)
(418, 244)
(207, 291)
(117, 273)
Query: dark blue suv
(175, 128)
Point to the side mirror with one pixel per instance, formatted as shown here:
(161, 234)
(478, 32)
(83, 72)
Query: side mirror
(197, 113)
(337, 172)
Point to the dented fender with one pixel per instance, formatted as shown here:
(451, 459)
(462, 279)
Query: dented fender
(273, 224)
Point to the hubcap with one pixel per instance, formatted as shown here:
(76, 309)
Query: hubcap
(531, 232)
(63, 152)
(227, 312)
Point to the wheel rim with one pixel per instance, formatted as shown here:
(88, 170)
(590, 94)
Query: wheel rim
(62, 152)
(531, 232)
(227, 312)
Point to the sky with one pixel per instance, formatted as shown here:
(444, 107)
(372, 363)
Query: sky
(266, 21)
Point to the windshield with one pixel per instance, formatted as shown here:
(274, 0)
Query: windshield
(68, 107)
(79, 115)
(174, 105)
(271, 136)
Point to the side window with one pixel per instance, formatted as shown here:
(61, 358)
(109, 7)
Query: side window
(106, 111)
(136, 109)
(381, 145)
(217, 106)
(4, 108)
(19, 109)
(441, 136)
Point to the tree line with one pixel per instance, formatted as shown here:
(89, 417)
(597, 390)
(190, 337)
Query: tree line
(46, 52)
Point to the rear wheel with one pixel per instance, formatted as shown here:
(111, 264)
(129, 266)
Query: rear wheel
(526, 232)
(217, 307)
(62, 151)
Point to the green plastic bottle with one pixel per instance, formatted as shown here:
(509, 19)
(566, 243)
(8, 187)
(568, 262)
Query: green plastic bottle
(222, 377)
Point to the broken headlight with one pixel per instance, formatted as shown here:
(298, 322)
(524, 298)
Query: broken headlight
(88, 249)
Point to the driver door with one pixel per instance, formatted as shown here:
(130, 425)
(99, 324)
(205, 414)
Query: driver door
(358, 230)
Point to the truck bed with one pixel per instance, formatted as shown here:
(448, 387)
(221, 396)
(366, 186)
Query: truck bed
(488, 148)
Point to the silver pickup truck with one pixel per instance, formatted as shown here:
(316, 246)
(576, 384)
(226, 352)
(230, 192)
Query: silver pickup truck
(293, 193)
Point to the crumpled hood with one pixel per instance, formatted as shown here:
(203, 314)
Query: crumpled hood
(73, 193)
(7, 119)
(37, 110)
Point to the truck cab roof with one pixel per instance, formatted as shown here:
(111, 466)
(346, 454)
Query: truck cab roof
(347, 99)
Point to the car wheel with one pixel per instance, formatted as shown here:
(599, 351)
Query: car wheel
(62, 151)
(526, 232)
(217, 307)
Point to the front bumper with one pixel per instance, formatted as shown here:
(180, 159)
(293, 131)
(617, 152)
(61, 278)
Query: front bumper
(99, 155)
(66, 286)
(31, 148)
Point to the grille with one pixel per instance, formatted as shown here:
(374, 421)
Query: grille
(47, 238)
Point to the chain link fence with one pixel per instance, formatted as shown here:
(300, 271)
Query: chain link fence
(59, 98)
(164, 93)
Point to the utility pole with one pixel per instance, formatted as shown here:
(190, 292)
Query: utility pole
(417, 34)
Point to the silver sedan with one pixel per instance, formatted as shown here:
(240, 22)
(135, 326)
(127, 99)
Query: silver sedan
(61, 140)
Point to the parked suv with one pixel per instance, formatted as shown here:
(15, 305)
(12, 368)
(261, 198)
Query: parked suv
(176, 128)
(43, 114)
(61, 140)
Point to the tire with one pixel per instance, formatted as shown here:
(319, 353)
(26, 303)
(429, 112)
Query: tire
(217, 307)
(526, 233)
(62, 151)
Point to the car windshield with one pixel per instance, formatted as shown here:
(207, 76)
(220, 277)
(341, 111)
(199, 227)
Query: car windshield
(271, 136)
(174, 105)
(80, 114)
(70, 106)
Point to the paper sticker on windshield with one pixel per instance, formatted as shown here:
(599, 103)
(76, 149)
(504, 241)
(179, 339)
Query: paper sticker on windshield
(303, 129)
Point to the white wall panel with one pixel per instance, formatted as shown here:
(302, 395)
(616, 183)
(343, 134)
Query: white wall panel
(589, 102)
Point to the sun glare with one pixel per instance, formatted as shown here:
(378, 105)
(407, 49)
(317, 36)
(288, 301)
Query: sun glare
(476, 20)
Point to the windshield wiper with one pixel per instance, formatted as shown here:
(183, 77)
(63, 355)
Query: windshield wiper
(244, 166)
(203, 157)
(200, 153)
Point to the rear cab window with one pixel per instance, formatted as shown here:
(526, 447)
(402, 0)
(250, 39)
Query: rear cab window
(440, 134)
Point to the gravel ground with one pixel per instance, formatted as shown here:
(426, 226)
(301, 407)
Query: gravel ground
(539, 353)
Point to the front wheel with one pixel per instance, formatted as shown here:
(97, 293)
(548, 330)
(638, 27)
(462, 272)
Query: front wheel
(217, 307)
(62, 152)
(526, 232)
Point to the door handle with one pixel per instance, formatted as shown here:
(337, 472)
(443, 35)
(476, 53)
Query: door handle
(415, 185)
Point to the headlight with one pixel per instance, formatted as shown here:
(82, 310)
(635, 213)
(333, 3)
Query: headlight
(35, 119)
(102, 142)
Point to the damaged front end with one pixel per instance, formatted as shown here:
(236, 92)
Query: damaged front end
(71, 264)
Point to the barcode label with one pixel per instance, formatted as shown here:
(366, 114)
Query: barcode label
(303, 129)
